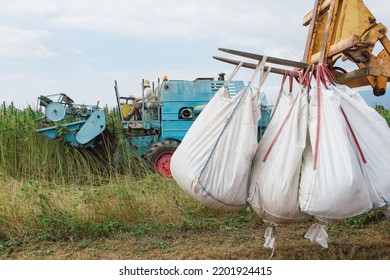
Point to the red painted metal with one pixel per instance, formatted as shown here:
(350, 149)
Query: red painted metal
(163, 164)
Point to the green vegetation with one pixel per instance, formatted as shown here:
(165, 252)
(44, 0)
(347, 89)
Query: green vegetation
(53, 192)
(26, 155)
(384, 112)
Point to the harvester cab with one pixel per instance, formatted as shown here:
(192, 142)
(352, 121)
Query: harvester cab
(146, 117)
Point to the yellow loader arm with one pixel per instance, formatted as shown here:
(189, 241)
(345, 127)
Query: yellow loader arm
(346, 29)
(339, 29)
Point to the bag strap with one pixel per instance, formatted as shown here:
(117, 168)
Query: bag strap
(279, 96)
(291, 80)
(263, 75)
(323, 77)
(290, 74)
(281, 127)
(359, 149)
(229, 80)
(259, 68)
(285, 75)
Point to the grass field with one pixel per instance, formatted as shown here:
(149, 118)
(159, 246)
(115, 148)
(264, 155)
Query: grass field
(57, 202)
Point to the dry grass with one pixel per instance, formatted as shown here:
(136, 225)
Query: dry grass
(152, 218)
(243, 243)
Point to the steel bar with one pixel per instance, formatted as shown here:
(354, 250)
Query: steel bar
(253, 66)
(270, 59)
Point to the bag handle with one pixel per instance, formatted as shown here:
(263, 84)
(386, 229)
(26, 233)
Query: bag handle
(278, 97)
(263, 76)
(289, 112)
(305, 76)
(229, 80)
(323, 77)
(286, 74)
(291, 80)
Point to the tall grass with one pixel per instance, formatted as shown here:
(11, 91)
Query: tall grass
(49, 190)
(26, 155)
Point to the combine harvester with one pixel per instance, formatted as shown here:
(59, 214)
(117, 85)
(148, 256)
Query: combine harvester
(155, 136)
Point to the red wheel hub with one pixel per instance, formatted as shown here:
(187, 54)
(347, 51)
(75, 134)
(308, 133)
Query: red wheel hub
(163, 165)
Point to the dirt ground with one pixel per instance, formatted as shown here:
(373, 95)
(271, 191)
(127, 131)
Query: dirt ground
(238, 243)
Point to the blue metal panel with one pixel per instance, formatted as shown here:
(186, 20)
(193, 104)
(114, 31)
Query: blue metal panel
(176, 95)
(175, 129)
(263, 122)
(143, 143)
(94, 125)
(197, 91)
(67, 132)
(186, 91)
(152, 124)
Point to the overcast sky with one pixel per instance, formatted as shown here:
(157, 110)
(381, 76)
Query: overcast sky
(80, 47)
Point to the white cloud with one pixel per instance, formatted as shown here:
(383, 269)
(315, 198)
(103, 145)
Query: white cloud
(23, 43)
(273, 28)
(26, 8)
(188, 19)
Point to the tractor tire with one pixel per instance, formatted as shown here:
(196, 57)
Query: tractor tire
(159, 156)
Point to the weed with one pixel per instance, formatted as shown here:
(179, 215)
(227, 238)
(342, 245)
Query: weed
(361, 220)
(162, 245)
(106, 228)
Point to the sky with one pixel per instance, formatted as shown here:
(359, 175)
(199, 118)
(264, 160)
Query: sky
(80, 47)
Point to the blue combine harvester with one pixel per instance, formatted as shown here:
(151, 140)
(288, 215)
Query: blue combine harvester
(158, 131)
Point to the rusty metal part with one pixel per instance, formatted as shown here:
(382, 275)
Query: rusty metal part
(346, 28)
(343, 29)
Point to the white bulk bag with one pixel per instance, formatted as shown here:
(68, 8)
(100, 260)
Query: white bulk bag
(274, 185)
(213, 162)
(370, 137)
(332, 183)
